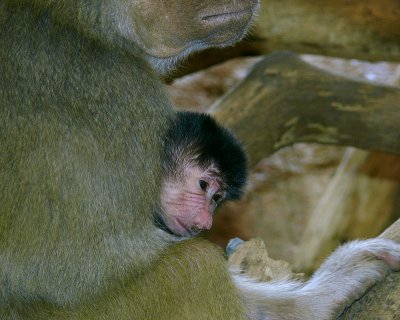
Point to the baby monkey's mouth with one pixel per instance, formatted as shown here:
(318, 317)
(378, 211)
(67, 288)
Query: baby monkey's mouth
(159, 222)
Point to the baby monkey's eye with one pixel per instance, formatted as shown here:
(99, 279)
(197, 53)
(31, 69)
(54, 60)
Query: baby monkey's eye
(203, 185)
(217, 197)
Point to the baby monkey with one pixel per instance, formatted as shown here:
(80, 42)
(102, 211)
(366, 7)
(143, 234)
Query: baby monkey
(203, 166)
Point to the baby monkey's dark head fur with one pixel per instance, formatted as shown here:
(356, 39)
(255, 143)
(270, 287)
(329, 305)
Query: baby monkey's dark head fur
(204, 165)
(195, 138)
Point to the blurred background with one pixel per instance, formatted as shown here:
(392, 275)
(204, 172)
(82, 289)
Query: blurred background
(291, 191)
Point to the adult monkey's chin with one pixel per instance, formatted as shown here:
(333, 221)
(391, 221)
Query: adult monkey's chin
(214, 24)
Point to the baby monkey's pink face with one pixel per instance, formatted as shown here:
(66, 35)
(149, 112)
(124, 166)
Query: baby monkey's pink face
(188, 204)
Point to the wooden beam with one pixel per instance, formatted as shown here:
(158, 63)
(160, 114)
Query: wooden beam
(356, 29)
(284, 100)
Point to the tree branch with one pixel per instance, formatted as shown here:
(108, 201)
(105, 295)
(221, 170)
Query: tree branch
(357, 29)
(360, 29)
(285, 100)
(383, 300)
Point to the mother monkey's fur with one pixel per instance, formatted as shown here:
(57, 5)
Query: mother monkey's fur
(82, 118)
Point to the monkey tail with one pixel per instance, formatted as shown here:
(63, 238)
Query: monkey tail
(271, 300)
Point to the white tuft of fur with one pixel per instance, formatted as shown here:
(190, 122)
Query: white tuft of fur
(344, 277)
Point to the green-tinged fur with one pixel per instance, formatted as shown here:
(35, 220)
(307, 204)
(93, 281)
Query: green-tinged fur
(188, 282)
(82, 120)
(78, 132)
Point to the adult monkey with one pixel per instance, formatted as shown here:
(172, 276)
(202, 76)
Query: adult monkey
(82, 116)
(82, 120)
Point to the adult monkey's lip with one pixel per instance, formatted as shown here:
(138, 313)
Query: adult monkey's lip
(224, 16)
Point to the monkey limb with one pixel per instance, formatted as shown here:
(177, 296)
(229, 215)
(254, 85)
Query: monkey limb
(82, 120)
